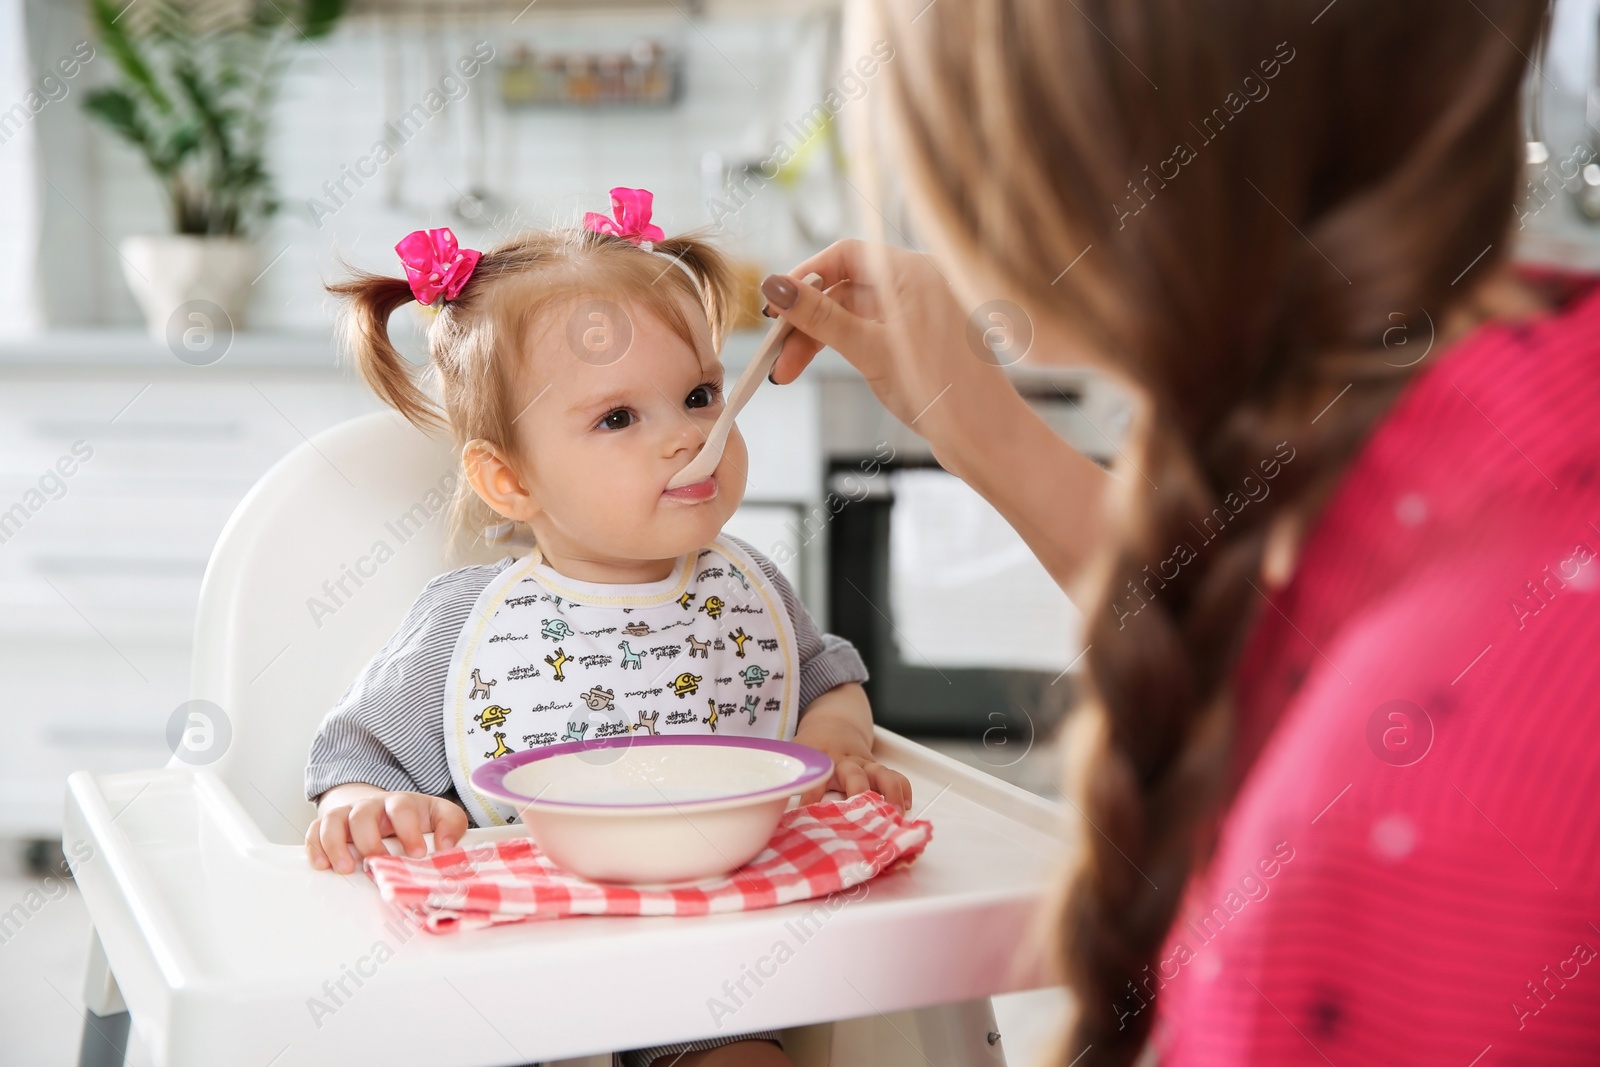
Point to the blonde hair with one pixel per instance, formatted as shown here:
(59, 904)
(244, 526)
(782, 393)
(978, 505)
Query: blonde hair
(477, 340)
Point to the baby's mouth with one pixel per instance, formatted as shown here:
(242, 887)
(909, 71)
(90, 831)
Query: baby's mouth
(695, 492)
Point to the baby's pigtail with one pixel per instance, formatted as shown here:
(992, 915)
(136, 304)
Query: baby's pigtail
(369, 300)
(719, 284)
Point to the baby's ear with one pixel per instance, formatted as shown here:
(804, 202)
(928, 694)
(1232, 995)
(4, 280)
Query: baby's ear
(496, 481)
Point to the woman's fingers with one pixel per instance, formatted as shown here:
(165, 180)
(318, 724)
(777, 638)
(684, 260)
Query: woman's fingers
(794, 357)
(894, 317)
(841, 261)
(800, 348)
(824, 321)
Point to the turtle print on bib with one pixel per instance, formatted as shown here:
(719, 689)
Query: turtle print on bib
(546, 659)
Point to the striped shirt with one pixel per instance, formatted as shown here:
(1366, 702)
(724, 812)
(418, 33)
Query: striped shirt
(1409, 869)
(388, 728)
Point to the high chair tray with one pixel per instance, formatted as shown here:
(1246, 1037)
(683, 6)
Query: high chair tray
(229, 948)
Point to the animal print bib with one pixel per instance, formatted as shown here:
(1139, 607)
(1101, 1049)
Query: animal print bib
(545, 659)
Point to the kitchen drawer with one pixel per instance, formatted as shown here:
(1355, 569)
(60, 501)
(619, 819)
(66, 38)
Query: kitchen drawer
(101, 557)
(114, 487)
(125, 564)
(152, 434)
(67, 705)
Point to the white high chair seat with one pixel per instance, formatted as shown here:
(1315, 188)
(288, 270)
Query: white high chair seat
(214, 932)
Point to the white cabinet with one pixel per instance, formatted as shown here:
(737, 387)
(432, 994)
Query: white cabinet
(115, 481)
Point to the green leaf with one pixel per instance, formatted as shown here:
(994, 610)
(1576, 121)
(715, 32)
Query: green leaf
(310, 18)
(123, 49)
(182, 141)
(196, 95)
(117, 109)
(321, 16)
(206, 104)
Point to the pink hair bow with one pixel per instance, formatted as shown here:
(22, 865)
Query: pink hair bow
(631, 208)
(434, 264)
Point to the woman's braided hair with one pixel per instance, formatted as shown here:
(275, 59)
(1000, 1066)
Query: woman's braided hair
(1257, 189)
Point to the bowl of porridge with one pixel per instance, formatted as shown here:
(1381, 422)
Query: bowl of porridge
(654, 810)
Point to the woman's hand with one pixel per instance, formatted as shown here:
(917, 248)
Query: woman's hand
(905, 331)
(895, 318)
(363, 815)
(839, 724)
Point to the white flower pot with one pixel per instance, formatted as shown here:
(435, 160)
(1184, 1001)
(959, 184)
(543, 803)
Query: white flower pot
(168, 271)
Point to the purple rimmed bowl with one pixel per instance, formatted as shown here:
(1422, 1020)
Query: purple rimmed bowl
(653, 810)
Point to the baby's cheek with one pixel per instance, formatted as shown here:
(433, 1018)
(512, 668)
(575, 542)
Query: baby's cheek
(733, 471)
(620, 501)
(601, 503)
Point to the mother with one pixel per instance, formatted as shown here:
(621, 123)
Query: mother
(1336, 758)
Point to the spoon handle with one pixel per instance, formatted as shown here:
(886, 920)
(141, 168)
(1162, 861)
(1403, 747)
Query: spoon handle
(760, 365)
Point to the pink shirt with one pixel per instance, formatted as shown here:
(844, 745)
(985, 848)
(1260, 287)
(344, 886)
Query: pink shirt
(1410, 869)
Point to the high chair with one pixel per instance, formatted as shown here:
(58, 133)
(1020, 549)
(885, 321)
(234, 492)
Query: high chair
(213, 933)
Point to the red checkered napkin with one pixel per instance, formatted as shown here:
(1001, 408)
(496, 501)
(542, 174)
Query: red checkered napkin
(817, 849)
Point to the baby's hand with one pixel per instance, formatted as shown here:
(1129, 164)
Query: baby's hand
(839, 724)
(854, 773)
(363, 815)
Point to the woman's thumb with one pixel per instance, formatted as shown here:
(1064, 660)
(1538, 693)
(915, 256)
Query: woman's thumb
(812, 312)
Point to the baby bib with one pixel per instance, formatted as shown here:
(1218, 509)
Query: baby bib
(545, 659)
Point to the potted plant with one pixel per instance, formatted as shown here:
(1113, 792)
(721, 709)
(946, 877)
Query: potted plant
(196, 83)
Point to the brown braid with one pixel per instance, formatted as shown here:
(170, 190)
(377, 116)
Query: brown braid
(1242, 288)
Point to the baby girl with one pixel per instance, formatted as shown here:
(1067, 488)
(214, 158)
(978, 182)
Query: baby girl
(578, 372)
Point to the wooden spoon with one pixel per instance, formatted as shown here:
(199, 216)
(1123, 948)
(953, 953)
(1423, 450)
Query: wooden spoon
(755, 372)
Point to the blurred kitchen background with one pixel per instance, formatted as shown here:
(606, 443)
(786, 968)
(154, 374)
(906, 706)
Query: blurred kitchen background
(132, 423)
(487, 118)
(147, 379)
